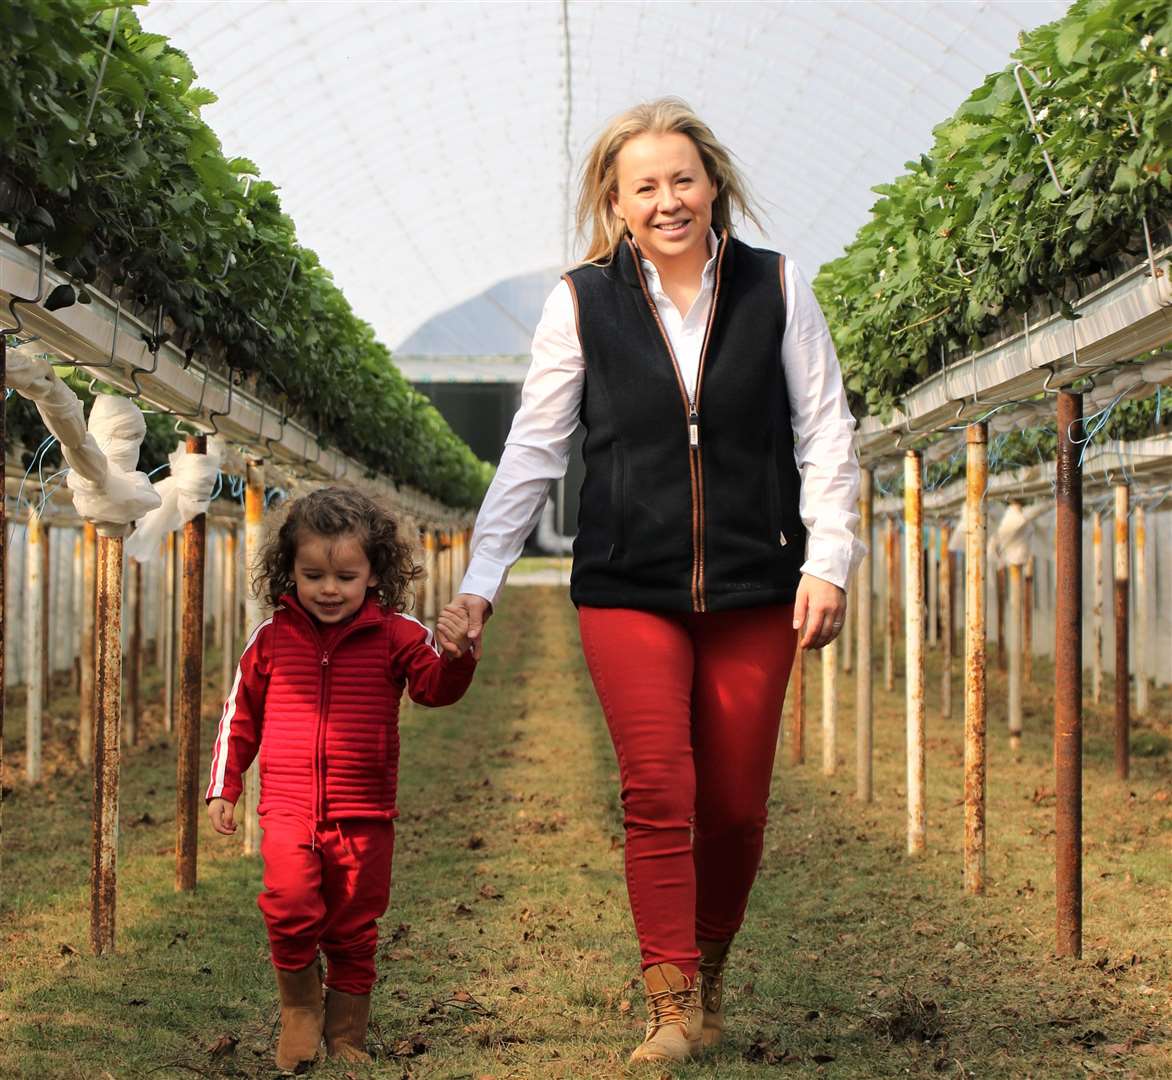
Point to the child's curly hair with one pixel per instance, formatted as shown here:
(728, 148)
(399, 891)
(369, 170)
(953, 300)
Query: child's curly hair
(339, 511)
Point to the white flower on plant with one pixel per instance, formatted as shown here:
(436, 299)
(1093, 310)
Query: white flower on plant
(1145, 42)
(882, 274)
(1153, 76)
(1042, 113)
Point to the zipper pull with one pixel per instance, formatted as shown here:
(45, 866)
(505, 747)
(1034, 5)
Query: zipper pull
(693, 428)
(782, 539)
(325, 659)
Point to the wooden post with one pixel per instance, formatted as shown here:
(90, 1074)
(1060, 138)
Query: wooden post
(89, 559)
(1000, 594)
(946, 621)
(107, 749)
(254, 509)
(976, 539)
(829, 708)
(1142, 613)
(430, 585)
(797, 738)
(228, 653)
(77, 603)
(933, 586)
(890, 622)
(864, 693)
(134, 660)
(190, 686)
(38, 542)
(914, 633)
(1013, 643)
(172, 582)
(1027, 612)
(1122, 660)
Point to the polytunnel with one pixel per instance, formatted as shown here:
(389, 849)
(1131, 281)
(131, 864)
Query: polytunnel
(311, 367)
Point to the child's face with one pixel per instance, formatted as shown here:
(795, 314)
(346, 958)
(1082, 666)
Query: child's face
(332, 574)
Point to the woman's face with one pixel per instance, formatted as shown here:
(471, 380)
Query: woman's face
(664, 196)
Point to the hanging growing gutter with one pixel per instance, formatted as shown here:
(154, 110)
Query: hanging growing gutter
(1128, 316)
(107, 343)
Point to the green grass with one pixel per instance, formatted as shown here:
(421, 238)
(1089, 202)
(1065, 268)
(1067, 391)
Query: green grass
(508, 949)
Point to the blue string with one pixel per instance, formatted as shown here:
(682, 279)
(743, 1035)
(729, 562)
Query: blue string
(28, 471)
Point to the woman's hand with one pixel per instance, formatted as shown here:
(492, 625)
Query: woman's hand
(478, 611)
(822, 607)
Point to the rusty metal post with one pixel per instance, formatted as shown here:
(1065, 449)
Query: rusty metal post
(946, 621)
(976, 539)
(1097, 608)
(1027, 624)
(162, 588)
(830, 708)
(190, 686)
(3, 566)
(1142, 613)
(889, 623)
(134, 660)
(1068, 680)
(864, 690)
(430, 585)
(37, 540)
(1013, 644)
(172, 580)
(254, 509)
(913, 527)
(89, 562)
(46, 551)
(107, 749)
(1122, 661)
(797, 733)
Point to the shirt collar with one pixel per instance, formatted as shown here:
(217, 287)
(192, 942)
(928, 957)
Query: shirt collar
(709, 267)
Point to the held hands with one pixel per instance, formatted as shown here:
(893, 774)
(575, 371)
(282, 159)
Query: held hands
(223, 816)
(461, 625)
(822, 607)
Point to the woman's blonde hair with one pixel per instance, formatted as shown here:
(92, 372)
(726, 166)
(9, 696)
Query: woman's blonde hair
(600, 173)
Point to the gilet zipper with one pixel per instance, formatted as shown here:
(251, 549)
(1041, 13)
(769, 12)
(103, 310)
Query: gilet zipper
(692, 411)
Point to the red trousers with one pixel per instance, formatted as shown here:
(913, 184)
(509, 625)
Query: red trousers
(326, 886)
(693, 703)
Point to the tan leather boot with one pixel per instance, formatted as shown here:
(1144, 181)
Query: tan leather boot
(346, 1019)
(302, 1017)
(673, 1016)
(712, 957)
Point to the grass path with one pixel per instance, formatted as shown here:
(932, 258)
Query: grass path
(508, 949)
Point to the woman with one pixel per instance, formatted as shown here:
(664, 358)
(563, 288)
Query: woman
(696, 365)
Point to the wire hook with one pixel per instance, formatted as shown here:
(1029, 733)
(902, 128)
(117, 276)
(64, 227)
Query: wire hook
(12, 331)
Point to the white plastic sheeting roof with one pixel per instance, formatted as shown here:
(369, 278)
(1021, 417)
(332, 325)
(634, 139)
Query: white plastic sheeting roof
(429, 151)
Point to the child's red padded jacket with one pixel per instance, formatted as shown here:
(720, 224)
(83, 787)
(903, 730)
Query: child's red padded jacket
(322, 704)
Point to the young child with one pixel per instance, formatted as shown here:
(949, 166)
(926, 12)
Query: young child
(317, 694)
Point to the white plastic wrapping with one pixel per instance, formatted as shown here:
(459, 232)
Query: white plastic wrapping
(117, 428)
(183, 494)
(1015, 532)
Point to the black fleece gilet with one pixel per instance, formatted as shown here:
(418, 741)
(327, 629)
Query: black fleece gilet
(682, 508)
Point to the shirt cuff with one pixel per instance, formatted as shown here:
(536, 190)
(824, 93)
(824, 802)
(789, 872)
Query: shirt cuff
(832, 560)
(485, 577)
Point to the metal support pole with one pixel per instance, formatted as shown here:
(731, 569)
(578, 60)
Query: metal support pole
(1122, 661)
(846, 637)
(134, 660)
(890, 621)
(89, 563)
(162, 585)
(1068, 681)
(864, 691)
(1000, 593)
(1142, 613)
(976, 538)
(1027, 613)
(38, 542)
(254, 509)
(46, 552)
(829, 708)
(946, 621)
(913, 527)
(3, 567)
(190, 685)
(77, 602)
(172, 579)
(1013, 643)
(1097, 608)
(107, 750)
(797, 735)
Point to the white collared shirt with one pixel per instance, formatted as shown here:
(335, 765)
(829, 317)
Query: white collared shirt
(537, 449)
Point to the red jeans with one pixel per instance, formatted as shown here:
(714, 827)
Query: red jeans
(693, 703)
(326, 887)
